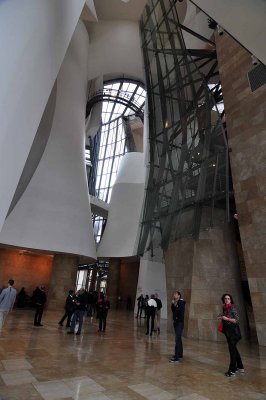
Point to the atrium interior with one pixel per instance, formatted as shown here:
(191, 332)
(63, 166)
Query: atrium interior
(132, 142)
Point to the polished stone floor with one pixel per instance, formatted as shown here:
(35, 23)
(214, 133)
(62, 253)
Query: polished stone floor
(46, 363)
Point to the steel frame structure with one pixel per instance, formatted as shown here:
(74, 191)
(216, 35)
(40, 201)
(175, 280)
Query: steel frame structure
(188, 183)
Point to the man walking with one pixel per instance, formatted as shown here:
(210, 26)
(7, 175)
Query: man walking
(7, 300)
(81, 299)
(40, 300)
(158, 313)
(178, 310)
(69, 309)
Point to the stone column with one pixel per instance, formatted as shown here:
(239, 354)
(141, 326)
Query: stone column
(113, 280)
(246, 131)
(64, 275)
(202, 271)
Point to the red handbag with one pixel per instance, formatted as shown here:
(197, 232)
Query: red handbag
(221, 327)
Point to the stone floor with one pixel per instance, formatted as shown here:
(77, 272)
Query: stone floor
(46, 363)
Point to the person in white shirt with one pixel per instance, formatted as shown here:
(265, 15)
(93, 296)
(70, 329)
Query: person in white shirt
(151, 308)
(7, 300)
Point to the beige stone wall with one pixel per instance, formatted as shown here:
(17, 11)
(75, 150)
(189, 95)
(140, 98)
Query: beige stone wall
(202, 271)
(27, 269)
(246, 128)
(64, 275)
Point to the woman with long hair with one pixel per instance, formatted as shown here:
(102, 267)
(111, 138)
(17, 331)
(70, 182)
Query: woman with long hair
(231, 329)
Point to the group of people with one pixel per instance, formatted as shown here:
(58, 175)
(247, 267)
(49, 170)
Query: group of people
(152, 312)
(80, 302)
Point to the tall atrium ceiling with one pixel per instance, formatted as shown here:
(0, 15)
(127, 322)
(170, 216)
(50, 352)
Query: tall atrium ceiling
(118, 9)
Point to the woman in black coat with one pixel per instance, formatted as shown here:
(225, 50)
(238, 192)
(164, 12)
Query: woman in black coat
(231, 329)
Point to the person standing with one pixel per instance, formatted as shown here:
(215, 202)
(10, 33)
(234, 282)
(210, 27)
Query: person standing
(40, 300)
(150, 312)
(158, 313)
(103, 308)
(178, 310)
(69, 309)
(7, 300)
(140, 301)
(231, 329)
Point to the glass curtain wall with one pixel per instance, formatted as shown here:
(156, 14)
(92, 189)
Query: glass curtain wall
(121, 99)
(188, 188)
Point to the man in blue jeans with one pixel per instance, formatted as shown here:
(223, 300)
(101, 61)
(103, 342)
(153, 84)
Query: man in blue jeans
(78, 315)
(178, 310)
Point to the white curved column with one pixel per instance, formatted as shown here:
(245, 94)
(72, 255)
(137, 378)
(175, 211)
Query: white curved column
(115, 48)
(34, 37)
(53, 213)
(121, 233)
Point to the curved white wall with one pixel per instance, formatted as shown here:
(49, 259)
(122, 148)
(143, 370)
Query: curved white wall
(122, 229)
(115, 48)
(197, 22)
(152, 278)
(34, 36)
(53, 213)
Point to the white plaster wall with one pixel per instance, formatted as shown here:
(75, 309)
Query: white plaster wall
(115, 48)
(152, 280)
(243, 19)
(34, 36)
(121, 233)
(197, 22)
(53, 213)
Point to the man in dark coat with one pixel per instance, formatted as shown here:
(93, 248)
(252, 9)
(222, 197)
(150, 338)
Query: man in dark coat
(103, 305)
(69, 309)
(39, 300)
(178, 310)
(81, 299)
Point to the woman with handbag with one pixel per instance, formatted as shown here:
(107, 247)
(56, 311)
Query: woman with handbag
(231, 329)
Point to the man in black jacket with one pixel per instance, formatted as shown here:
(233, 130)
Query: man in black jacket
(69, 309)
(81, 299)
(39, 300)
(178, 310)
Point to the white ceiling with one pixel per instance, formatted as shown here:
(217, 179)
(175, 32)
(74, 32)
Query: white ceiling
(118, 9)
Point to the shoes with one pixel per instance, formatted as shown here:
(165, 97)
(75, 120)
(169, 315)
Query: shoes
(38, 324)
(146, 333)
(230, 373)
(78, 333)
(158, 331)
(70, 333)
(173, 359)
(151, 334)
(60, 323)
(240, 371)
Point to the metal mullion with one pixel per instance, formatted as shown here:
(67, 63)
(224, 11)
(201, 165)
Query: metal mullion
(112, 165)
(104, 157)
